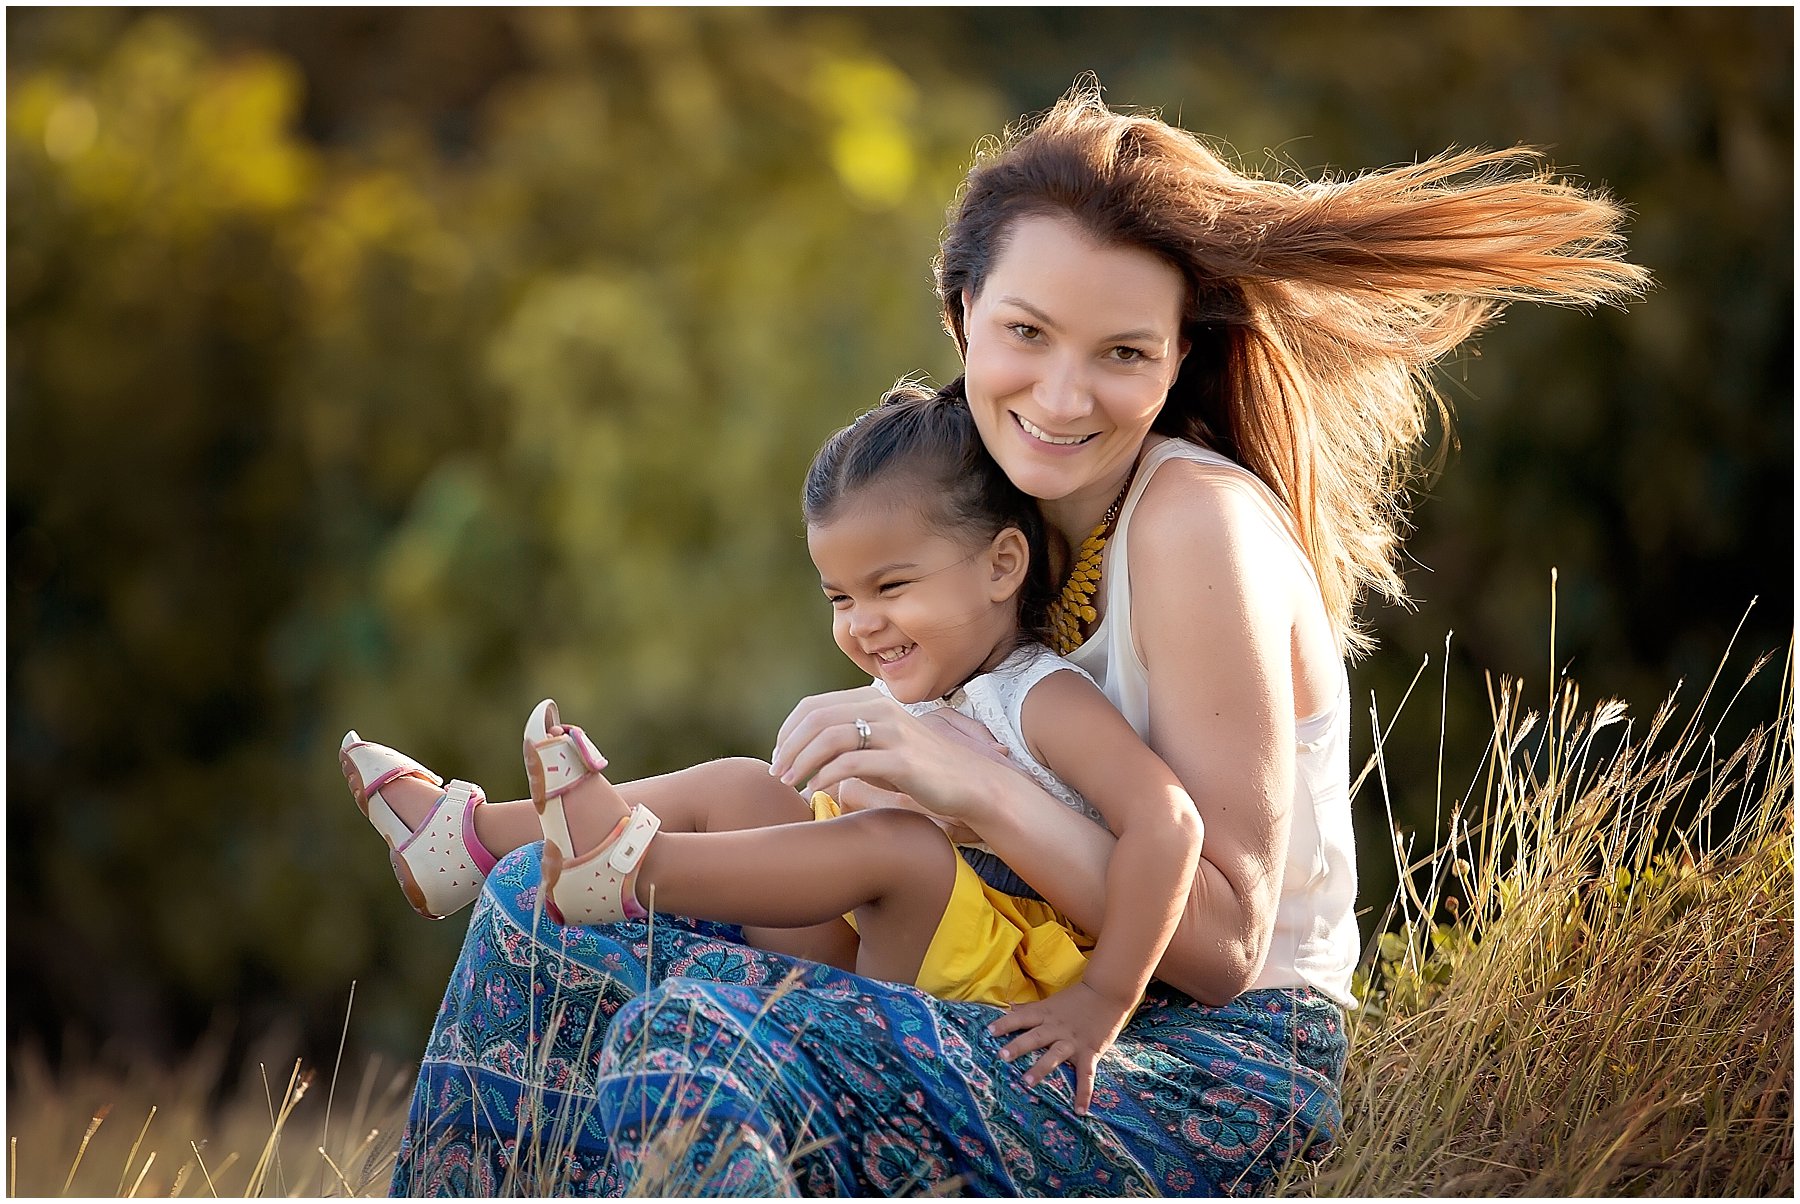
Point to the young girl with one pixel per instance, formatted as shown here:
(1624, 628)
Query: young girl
(926, 553)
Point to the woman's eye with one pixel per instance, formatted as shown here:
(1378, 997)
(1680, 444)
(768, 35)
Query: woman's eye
(1025, 332)
(1127, 355)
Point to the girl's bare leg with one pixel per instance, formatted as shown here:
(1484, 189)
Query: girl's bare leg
(894, 869)
(719, 796)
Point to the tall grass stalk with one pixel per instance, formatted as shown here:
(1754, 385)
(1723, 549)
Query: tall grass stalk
(1590, 986)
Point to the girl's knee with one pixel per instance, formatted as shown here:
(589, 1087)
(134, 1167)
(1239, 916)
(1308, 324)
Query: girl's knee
(905, 836)
(748, 776)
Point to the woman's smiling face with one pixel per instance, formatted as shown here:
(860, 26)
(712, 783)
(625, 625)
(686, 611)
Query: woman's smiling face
(1072, 347)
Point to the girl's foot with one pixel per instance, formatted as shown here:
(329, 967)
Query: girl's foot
(429, 827)
(579, 809)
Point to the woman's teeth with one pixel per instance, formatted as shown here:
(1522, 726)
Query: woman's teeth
(1039, 433)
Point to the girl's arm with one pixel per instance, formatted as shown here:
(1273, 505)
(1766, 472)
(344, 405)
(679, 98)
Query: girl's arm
(1078, 735)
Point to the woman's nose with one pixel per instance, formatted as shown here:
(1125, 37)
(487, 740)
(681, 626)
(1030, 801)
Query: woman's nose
(1063, 392)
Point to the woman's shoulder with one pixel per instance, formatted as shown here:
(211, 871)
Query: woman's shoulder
(1199, 501)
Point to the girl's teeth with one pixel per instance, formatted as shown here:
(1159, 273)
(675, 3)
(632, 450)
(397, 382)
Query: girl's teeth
(894, 654)
(1038, 432)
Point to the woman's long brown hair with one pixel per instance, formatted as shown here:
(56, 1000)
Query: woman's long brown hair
(1316, 309)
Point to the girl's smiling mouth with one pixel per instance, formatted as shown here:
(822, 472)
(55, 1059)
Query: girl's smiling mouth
(893, 656)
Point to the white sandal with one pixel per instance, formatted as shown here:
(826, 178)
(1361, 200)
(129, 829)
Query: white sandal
(442, 865)
(589, 889)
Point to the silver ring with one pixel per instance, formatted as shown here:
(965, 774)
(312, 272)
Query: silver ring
(862, 734)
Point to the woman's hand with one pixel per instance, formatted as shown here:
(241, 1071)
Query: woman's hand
(854, 794)
(944, 768)
(1076, 1025)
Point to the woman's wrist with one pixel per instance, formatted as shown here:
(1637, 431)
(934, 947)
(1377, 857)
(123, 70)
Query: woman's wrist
(989, 809)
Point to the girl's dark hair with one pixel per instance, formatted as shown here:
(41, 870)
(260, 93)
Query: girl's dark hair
(927, 440)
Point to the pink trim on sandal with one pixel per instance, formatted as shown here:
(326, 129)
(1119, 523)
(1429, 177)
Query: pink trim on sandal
(484, 860)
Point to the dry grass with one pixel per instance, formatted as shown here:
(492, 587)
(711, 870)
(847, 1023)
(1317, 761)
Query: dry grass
(155, 1131)
(1587, 990)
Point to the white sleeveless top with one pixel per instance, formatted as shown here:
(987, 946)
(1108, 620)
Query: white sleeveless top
(1315, 942)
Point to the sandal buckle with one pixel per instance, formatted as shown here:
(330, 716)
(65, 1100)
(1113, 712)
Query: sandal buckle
(631, 845)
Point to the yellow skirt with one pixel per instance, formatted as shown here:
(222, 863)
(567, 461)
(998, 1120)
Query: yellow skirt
(992, 947)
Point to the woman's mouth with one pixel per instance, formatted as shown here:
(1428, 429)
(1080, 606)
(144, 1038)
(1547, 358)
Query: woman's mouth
(1039, 435)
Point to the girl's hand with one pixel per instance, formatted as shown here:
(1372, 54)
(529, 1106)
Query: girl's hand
(820, 746)
(854, 794)
(1076, 1025)
(972, 732)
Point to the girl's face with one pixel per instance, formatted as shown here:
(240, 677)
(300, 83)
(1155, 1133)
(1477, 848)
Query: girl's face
(922, 611)
(1072, 347)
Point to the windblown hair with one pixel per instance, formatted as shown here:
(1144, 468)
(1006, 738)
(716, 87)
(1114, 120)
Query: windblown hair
(1315, 310)
(925, 442)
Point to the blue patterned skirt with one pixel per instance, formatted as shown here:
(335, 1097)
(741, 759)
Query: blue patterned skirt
(666, 1058)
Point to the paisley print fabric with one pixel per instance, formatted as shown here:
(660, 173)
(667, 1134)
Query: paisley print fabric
(663, 1057)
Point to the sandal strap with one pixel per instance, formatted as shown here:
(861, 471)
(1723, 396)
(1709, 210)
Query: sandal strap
(377, 764)
(567, 759)
(591, 890)
(454, 810)
(443, 858)
(634, 842)
(484, 860)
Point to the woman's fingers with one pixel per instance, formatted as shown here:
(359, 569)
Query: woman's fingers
(810, 750)
(810, 714)
(819, 717)
(837, 752)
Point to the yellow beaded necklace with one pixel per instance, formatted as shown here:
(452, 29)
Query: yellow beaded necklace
(1075, 606)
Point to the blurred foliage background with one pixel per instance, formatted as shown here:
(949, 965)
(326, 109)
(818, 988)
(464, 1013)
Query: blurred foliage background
(397, 368)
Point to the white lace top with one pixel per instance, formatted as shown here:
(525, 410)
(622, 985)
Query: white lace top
(996, 700)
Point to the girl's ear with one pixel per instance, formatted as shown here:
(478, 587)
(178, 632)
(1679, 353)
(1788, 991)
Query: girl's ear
(1009, 559)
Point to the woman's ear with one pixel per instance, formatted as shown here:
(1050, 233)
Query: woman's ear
(1009, 559)
(957, 324)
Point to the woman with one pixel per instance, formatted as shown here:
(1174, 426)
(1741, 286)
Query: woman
(1214, 385)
